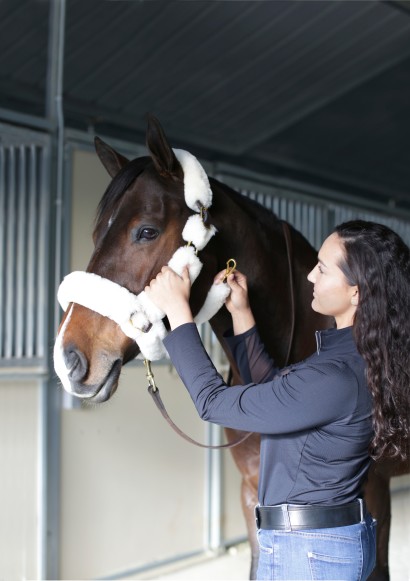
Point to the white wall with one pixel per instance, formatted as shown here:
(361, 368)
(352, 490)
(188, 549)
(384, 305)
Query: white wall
(19, 481)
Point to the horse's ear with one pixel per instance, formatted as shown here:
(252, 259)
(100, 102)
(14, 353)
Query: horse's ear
(161, 152)
(111, 159)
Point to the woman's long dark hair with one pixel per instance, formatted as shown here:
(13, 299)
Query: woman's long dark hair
(378, 262)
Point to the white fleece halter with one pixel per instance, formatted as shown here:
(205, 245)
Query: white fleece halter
(137, 316)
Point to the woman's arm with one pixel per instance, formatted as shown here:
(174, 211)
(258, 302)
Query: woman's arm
(286, 404)
(170, 292)
(309, 396)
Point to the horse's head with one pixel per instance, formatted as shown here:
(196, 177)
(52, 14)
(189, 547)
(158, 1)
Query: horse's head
(139, 226)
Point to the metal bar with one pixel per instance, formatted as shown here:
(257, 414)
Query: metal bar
(59, 119)
(49, 546)
(10, 252)
(42, 478)
(30, 323)
(212, 516)
(2, 244)
(48, 495)
(214, 488)
(20, 257)
(43, 248)
(49, 525)
(215, 464)
(24, 119)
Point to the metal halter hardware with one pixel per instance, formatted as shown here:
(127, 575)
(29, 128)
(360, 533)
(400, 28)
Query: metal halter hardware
(230, 268)
(150, 376)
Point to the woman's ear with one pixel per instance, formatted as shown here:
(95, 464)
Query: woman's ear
(355, 298)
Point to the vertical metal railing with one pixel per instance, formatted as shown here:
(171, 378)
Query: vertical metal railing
(2, 242)
(316, 220)
(312, 220)
(402, 227)
(24, 204)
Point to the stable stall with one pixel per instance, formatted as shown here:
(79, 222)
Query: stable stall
(110, 491)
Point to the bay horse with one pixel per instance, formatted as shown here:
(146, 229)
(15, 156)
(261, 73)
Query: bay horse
(138, 228)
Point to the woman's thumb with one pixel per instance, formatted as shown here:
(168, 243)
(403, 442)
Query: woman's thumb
(231, 280)
(185, 274)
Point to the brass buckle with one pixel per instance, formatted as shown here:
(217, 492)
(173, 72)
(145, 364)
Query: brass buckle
(150, 375)
(230, 268)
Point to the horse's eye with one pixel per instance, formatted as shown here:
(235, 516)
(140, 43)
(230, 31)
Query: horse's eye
(146, 233)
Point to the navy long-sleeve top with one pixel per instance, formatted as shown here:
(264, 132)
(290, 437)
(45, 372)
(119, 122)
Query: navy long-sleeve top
(314, 417)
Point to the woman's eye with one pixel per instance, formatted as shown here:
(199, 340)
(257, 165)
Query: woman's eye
(319, 268)
(147, 234)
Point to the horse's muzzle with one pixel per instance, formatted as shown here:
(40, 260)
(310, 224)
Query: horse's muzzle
(95, 393)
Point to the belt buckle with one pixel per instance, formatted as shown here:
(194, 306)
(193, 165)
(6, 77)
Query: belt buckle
(286, 517)
(361, 504)
(257, 517)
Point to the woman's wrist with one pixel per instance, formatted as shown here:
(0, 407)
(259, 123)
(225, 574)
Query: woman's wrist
(179, 315)
(242, 321)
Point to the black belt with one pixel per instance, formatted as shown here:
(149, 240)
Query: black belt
(299, 517)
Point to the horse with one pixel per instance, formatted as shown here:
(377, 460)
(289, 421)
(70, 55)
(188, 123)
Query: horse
(138, 229)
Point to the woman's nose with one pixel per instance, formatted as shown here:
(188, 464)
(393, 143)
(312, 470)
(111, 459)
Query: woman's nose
(311, 276)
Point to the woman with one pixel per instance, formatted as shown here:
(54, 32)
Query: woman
(323, 419)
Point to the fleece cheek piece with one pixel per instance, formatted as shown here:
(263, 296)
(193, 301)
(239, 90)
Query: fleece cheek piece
(152, 312)
(197, 233)
(185, 256)
(151, 342)
(216, 297)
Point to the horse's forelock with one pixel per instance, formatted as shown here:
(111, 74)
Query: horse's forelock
(119, 185)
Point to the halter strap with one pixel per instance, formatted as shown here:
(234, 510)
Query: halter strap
(137, 316)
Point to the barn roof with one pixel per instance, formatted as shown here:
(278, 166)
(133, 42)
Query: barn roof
(318, 91)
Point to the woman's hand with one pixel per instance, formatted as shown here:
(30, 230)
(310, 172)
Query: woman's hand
(170, 293)
(238, 301)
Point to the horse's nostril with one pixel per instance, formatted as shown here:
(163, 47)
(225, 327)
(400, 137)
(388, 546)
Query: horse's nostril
(77, 364)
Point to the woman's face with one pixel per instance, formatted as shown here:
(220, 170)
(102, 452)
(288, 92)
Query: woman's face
(332, 295)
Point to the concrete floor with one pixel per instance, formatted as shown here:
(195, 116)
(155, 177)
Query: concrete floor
(234, 564)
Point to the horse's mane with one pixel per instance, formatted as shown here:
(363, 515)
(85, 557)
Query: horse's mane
(259, 213)
(118, 186)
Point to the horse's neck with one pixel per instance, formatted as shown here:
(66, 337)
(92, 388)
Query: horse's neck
(247, 230)
(255, 238)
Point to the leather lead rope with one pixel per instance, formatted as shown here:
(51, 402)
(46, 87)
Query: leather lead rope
(153, 388)
(160, 405)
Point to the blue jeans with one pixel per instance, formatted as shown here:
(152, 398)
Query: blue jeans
(342, 553)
